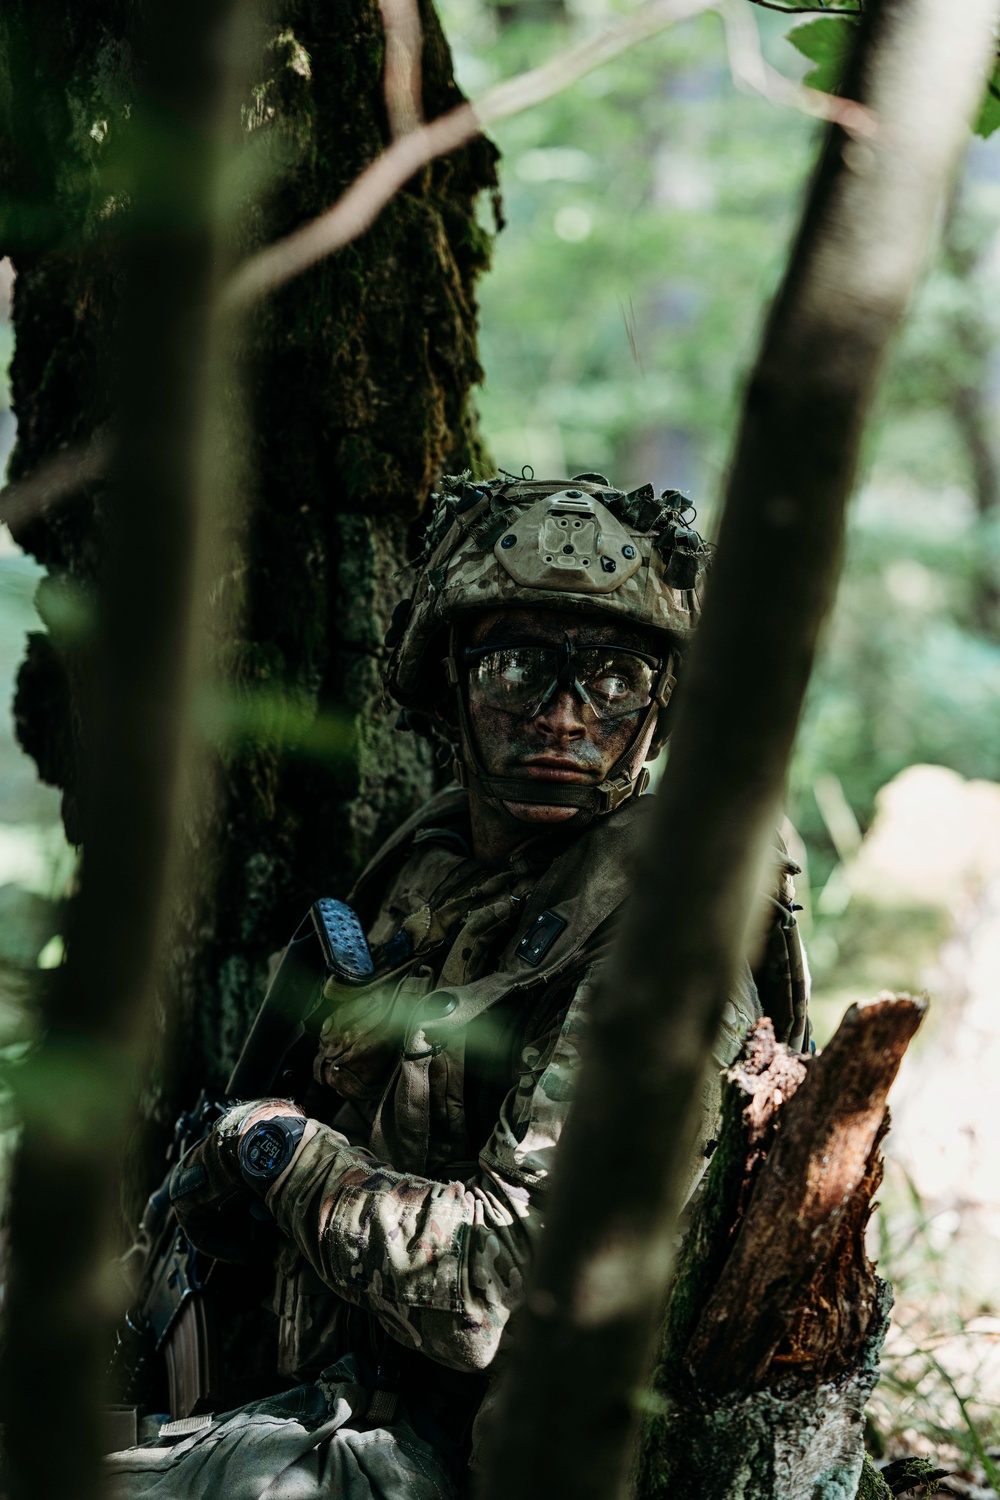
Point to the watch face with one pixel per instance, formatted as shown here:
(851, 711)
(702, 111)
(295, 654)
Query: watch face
(265, 1149)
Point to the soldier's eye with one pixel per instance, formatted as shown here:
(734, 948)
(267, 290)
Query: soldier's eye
(517, 668)
(611, 686)
(513, 677)
(621, 684)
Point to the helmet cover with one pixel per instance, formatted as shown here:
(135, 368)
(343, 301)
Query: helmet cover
(574, 544)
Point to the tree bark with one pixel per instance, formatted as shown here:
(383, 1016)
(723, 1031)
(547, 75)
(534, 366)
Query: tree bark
(358, 380)
(74, 1090)
(355, 383)
(567, 1411)
(776, 1317)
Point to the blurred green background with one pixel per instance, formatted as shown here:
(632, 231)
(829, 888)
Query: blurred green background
(649, 213)
(649, 210)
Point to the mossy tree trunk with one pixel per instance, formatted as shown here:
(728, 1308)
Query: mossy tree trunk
(356, 379)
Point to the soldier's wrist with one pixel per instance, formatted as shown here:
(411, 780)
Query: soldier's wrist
(266, 1148)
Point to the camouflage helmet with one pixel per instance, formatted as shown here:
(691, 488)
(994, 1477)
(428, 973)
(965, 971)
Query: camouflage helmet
(565, 544)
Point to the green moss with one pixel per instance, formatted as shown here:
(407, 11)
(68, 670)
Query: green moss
(872, 1486)
(358, 376)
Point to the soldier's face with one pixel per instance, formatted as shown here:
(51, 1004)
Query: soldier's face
(565, 742)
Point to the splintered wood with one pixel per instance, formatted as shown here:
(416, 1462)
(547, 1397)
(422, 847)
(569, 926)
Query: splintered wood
(797, 1293)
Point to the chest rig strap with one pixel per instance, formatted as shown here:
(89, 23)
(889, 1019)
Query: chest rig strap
(403, 1138)
(582, 888)
(576, 896)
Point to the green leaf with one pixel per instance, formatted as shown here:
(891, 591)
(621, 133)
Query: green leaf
(989, 115)
(826, 42)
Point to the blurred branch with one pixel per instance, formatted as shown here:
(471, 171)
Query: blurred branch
(364, 200)
(751, 71)
(403, 43)
(567, 1402)
(75, 1092)
(54, 481)
(809, 10)
(972, 406)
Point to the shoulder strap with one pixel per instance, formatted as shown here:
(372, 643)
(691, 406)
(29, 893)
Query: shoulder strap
(444, 807)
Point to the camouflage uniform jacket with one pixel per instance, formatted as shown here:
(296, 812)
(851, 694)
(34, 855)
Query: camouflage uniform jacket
(459, 1061)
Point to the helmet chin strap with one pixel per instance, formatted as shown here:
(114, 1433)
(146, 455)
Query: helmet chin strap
(625, 778)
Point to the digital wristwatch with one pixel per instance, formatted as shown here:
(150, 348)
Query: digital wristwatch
(268, 1147)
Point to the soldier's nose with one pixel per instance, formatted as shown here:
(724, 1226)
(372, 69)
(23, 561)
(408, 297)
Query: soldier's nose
(562, 716)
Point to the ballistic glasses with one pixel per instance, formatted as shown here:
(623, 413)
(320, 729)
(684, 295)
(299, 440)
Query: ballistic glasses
(611, 681)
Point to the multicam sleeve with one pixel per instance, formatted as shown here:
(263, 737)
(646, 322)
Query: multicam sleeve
(441, 1264)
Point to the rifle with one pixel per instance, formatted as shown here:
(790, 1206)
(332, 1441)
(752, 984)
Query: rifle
(172, 1310)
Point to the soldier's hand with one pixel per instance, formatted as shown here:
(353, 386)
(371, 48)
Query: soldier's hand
(209, 1192)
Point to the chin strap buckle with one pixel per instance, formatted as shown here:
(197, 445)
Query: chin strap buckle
(611, 794)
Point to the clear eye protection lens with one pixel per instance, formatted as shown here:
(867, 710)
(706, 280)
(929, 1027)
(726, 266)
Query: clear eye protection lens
(520, 680)
(616, 683)
(515, 679)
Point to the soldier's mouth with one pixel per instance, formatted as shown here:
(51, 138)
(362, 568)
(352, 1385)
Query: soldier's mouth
(555, 768)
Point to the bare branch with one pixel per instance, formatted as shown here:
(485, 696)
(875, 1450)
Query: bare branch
(752, 72)
(364, 200)
(403, 45)
(808, 10)
(55, 480)
(415, 146)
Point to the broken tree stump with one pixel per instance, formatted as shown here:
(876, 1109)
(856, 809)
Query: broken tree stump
(776, 1317)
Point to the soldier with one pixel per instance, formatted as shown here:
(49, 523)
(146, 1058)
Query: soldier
(541, 645)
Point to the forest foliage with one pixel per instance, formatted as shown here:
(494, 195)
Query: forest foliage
(648, 212)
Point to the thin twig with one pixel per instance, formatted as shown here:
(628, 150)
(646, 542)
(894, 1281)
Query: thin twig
(357, 209)
(808, 10)
(364, 200)
(403, 46)
(629, 320)
(54, 480)
(751, 71)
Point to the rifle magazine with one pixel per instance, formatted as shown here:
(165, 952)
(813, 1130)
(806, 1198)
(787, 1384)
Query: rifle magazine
(194, 1367)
